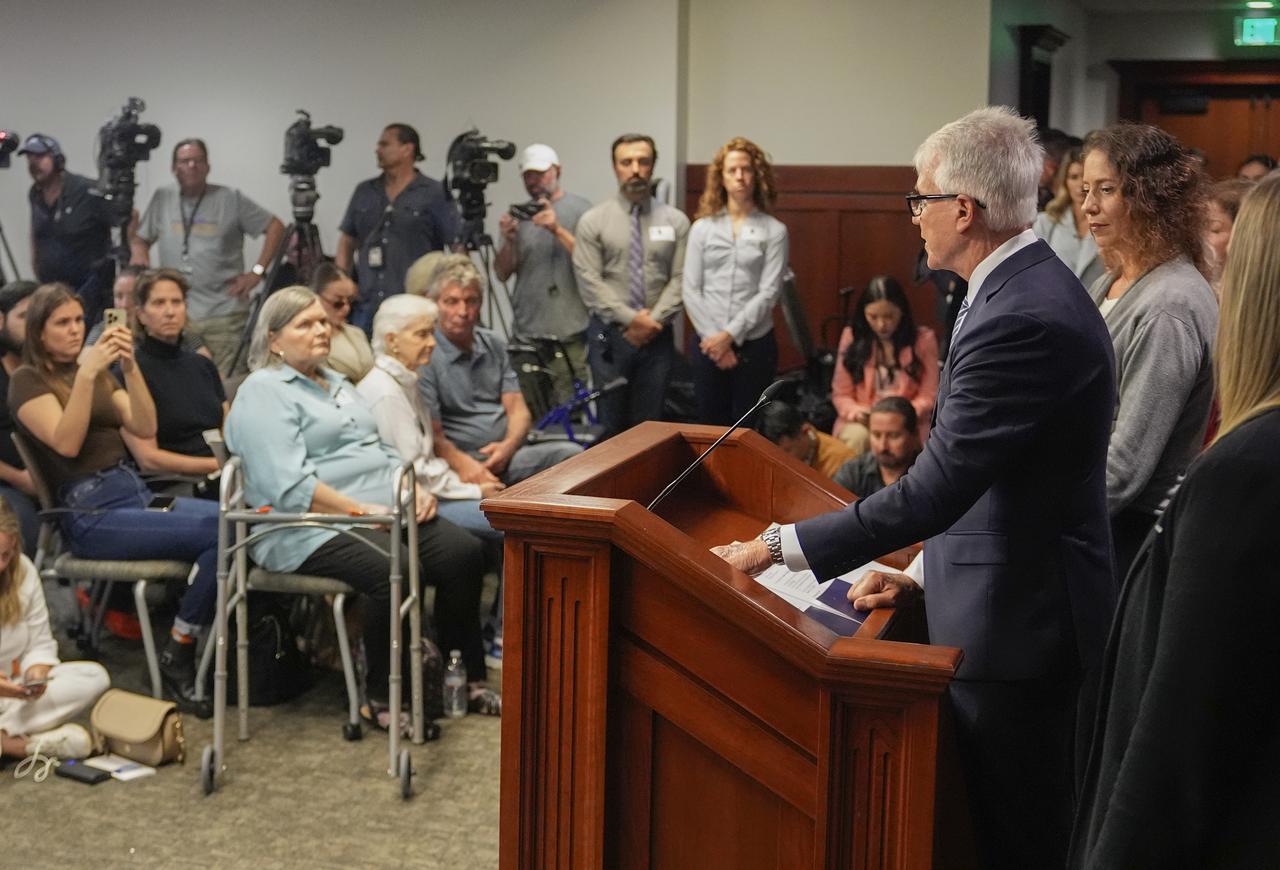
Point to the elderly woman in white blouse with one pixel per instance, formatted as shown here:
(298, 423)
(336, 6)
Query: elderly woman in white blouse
(733, 272)
(403, 338)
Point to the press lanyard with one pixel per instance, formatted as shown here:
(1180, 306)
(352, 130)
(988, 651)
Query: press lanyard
(188, 223)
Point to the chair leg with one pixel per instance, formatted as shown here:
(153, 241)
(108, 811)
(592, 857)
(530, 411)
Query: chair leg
(206, 660)
(348, 666)
(97, 610)
(148, 642)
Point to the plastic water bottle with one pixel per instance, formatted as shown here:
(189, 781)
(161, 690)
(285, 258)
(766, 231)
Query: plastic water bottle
(455, 686)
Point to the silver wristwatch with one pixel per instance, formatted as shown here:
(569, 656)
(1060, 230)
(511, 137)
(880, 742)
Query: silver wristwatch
(772, 538)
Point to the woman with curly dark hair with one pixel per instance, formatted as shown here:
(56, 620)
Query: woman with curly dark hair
(733, 269)
(883, 353)
(1145, 198)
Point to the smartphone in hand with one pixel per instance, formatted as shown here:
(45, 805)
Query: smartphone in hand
(114, 317)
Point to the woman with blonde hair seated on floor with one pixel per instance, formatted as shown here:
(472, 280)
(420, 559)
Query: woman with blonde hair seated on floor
(39, 693)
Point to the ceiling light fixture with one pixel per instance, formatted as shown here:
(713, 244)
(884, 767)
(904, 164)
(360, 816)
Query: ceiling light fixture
(1260, 4)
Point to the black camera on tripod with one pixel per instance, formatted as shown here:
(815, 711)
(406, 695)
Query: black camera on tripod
(470, 171)
(8, 144)
(122, 142)
(304, 156)
(303, 153)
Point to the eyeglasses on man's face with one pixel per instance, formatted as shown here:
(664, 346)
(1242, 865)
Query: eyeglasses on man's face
(916, 201)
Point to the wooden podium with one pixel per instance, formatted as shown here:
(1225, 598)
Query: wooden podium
(665, 710)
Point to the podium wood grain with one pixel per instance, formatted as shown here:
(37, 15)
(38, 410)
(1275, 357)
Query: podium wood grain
(663, 710)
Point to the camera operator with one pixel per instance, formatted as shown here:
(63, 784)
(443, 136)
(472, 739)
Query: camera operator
(70, 227)
(538, 249)
(200, 229)
(392, 220)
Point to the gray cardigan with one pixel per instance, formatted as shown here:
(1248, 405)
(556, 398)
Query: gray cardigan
(1163, 329)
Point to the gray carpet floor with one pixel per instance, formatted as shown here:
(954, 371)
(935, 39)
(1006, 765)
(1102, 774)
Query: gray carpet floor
(295, 794)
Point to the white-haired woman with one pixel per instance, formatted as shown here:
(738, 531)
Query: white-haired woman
(403, 339)
(39, 693)
(309, 443)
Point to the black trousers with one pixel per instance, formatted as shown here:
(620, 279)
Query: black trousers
(647, 370)
(449, 558)
(724, 395)
(1016, 743)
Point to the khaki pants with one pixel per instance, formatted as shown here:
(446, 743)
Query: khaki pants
(223, 335)
(561, 378)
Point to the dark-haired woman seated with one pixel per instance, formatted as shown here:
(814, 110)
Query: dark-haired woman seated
(882, 353)
(184, 385)
(349, 352)
(73, 413)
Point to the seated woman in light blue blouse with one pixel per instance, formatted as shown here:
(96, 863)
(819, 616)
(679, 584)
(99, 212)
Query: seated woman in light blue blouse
(1063, 224)
(309, 443)
(733, 271)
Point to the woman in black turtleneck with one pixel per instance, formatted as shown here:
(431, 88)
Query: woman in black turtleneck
(188, 392)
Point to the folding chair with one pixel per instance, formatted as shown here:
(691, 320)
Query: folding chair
(101, 574)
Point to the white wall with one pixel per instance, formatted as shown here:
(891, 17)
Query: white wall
(1069, 95)
(815, 82)
(233, 72)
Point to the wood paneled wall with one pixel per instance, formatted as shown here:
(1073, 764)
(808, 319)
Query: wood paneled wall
(847, 224)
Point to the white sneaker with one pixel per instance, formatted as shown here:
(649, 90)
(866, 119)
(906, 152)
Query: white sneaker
(65, 741)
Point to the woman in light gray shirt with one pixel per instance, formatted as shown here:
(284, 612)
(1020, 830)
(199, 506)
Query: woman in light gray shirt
(1063, 224)
(1145, 203)
(733, 271)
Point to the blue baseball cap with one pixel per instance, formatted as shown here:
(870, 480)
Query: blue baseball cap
(39, 143)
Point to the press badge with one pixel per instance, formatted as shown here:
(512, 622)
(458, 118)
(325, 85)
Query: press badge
(662, 234)
(375, 257)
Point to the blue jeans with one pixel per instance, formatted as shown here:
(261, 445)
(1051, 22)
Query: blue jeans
(115, 524)
(24, 507)
(466, 514)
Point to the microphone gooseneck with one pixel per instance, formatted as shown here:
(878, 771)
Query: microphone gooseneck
(765, 398)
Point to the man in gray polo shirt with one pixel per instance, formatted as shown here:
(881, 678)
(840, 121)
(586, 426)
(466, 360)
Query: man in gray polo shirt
(629, 259)
(199, 229)
(480, 419)
(539, 251)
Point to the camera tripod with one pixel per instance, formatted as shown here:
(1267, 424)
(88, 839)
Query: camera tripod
(4, 240)
(299, 252)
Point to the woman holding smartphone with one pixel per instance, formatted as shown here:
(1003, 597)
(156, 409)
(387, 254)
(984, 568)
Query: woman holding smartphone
(72, 413)
(39, 693)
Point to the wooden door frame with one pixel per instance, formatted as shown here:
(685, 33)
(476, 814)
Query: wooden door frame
(1140, 77)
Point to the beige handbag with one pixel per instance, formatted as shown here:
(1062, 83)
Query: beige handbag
(139, 728)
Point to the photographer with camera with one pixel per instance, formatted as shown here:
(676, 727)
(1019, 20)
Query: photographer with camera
(199, 229)
(391, 221)
(537, 247)
(70, 227)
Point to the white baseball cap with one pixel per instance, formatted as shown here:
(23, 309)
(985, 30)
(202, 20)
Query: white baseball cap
(538, 158)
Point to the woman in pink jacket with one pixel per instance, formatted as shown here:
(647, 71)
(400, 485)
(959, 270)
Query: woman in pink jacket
(882, 353)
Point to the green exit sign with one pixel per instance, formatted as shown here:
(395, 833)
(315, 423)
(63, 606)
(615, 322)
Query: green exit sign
(1257, 31)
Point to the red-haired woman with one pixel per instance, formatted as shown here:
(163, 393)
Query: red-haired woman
(733, 271)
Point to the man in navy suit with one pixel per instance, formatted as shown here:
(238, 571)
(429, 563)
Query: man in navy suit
(1009, 494)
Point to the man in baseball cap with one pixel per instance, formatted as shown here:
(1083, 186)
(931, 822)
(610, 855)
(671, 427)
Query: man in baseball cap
(70, 226)
(538, 250)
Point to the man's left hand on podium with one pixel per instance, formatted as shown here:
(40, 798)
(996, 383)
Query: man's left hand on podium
(750, 557)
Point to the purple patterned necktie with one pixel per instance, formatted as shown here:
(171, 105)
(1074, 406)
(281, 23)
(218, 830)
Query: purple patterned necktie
(636, 261)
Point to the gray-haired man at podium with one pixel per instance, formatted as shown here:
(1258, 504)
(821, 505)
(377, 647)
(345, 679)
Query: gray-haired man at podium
(1008, 494)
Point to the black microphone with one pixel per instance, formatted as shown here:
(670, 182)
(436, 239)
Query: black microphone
(765, 398)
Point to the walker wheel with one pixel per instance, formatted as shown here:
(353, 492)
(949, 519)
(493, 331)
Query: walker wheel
(352, 731)
(406, 775)
(206, 770)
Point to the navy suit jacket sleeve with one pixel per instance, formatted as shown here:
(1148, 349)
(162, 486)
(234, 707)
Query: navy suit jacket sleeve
(1004, 380)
